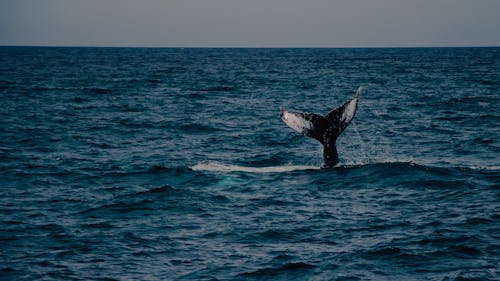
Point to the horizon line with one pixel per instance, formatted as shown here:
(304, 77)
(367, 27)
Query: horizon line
(249, 47)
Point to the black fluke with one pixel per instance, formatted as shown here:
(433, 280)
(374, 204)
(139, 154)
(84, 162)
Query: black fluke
(324, 129)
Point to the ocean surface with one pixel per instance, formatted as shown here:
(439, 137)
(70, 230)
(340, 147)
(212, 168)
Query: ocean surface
(173, 164)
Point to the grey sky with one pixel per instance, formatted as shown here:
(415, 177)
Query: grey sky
(250, 23)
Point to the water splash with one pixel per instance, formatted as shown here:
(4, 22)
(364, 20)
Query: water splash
(362, 146)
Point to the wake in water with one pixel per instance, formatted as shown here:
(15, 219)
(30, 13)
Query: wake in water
(222, 167)
(226, 168)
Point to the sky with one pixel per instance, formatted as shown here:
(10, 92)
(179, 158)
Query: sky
(250, 23)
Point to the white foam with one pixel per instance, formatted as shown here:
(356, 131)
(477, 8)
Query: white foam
(296, 122)
(488, 168)
(221, 167)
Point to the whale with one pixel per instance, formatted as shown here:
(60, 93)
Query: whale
(325, 129)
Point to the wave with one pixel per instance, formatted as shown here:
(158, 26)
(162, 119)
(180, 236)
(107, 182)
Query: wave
(96, 90)
(217, 89)
(290, 271)
(222, 167)
(213, 166)
(482, 168)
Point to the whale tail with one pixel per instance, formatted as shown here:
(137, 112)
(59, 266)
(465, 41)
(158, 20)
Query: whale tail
(324, 129)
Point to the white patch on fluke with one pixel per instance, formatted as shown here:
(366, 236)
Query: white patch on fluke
(350, 110)
(348, 113)
(296, 122)
(221, 167)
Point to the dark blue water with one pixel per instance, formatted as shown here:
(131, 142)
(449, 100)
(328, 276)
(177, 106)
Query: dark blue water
(173, 164)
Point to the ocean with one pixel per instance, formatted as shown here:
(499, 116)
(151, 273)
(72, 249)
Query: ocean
(174, 164)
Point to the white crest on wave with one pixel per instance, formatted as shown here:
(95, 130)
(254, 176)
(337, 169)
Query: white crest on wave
(221, 167)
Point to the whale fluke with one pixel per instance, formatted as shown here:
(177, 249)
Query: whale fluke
(324, 129)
